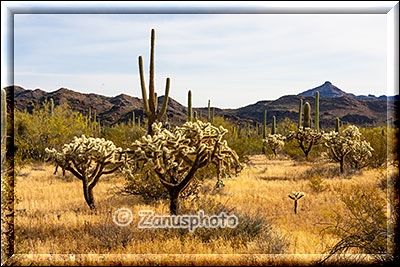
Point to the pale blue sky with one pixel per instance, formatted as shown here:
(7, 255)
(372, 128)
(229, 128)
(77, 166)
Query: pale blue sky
(234, 60)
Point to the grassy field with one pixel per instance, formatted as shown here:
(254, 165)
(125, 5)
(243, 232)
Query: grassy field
(53, 218)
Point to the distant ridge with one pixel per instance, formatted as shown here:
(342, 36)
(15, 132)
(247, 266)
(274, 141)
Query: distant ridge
(110, 110)
(329, 90)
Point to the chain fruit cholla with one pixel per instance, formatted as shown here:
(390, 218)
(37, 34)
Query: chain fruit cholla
(87, 159)
(176, 155)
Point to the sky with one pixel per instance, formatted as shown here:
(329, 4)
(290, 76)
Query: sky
(232, 59)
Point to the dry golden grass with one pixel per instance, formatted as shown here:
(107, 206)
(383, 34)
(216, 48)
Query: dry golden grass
(52, 217)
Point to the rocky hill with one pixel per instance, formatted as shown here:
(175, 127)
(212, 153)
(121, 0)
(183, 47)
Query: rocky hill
(333, 103)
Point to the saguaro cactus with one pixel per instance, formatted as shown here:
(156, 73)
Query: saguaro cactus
(265, 124)
(3, 116)
(307, 115)
(212, 116)
(189, 106)
(209, 112)
(300, 113)
(273, 126)
(51, 107)
(295, 197)
(337, 124)
(133, 118)
(317, 111)
(150, 106)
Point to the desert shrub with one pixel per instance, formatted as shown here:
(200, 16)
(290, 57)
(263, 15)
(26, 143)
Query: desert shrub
(122, 134)
(360, 225)
(244, 143)
(37, 130)
(317, 184)
(382, 140)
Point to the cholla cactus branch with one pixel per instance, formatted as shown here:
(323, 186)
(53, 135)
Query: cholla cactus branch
(87, 159)
(176, 155)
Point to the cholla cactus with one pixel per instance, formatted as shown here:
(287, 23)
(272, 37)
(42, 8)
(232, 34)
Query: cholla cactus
(295, 197)
(275, 141)
(341, 144)
(306, 138)
(87, 159)
(176, 155)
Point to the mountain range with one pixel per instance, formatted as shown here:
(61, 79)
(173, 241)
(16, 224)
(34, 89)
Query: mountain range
(358, 110)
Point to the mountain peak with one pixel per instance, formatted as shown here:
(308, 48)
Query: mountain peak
(325, 90)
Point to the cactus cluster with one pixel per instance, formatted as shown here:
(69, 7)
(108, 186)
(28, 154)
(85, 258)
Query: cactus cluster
(275, 141)
(176, 155)
(87, 159)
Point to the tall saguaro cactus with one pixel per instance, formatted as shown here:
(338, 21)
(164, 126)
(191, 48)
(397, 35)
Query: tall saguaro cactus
(189, 106)
(209, 112)
(150, 105)
(300, 113)
(51, 107)
(273, 126)
(337, 125)
(307, 115)
(265, 124)
(317, 111)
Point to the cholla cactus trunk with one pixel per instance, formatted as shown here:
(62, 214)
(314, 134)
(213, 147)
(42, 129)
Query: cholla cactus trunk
(189, 106)
(3, 116)
(273, 126)
(307, 115)
(337, 124)
(150, 105)
(317, 111)
(300, 113)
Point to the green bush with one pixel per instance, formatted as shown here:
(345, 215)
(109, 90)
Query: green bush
(37, 130)
(122, 134)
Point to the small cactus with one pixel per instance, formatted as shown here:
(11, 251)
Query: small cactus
(190, 106)
(300, 113)
(51, 107)
(337, 125)
(265, 124)
(307, 115)
(295, 197)
(317, 111)
(273, 126)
